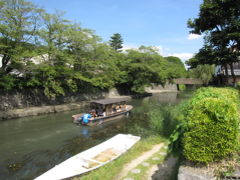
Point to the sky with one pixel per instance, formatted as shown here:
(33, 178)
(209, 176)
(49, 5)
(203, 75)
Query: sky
(160, 23)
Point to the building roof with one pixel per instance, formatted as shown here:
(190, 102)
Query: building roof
(110, 100)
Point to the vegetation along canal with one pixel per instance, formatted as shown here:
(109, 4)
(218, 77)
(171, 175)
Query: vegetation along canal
(30, 146)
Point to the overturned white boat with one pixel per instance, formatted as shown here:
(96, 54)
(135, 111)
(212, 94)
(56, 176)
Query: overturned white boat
(92, 158)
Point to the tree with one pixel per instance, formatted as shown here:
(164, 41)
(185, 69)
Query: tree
(143, 67)
(206, 55)
(116, 42)
(220, 20)
(176, 67)
(56, 56)
(53, 38)
(192, 62)
(204, 72)
(19, 21)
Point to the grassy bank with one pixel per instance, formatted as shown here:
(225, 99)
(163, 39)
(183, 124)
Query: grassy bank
(110, 170)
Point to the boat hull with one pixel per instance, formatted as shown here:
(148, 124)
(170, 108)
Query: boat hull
(92, 158)
(100, 120)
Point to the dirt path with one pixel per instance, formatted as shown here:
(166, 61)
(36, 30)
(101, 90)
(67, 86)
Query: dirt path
(139, 160)
(165, 170)
(151, 171)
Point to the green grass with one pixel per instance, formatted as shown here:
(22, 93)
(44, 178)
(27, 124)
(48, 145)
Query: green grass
(110, 170)
(144, 169)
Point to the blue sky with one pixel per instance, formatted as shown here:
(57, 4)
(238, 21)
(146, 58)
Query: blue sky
(161, 23)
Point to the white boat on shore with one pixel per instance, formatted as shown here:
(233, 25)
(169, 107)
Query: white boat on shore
(92, 158)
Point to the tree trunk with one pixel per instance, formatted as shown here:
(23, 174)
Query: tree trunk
(233, 75)
(226, 73)
(5, 61)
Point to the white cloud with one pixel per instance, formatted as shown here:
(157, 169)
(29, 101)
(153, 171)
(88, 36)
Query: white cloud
(193, 36)
(163, 52)
(183, 56)
(166, 52)
(160, 49)
(129, 46)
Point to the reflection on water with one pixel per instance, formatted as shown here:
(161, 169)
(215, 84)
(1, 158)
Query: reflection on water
(30, 146)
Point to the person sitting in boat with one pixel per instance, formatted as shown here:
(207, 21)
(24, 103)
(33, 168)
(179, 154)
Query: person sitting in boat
(93, 113)
(114, 109)
(85, 118)
(100, 112)
(121, 107)
(118, 109)
(104, 113)
(124, 107)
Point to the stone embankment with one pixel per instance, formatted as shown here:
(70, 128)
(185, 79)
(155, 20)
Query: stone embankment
(188, 171)
(34, 111)
(22, 104)
(194, 173)
(16, 106)
(159, 88)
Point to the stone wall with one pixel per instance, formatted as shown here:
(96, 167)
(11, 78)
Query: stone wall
(194, 173)
(36, 98)
(159, 88)
(31, 103)
(33, 98)
(35, 111)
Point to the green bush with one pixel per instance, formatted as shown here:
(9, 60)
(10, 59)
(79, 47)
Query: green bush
(211, 125)
(209, 129)
(225, 93)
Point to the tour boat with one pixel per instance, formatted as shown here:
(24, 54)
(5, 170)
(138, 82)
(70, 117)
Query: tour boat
(92, 158)
(112, 107)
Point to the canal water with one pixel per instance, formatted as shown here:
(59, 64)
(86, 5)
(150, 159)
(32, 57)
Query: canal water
(31, 146)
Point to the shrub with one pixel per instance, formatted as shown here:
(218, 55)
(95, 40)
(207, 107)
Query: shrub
(225, 93)
(211, 125)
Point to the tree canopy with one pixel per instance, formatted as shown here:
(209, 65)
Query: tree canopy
(116, 42)
(48, 52)
(204, 72)
(18, 29)
(219, 20)
(145, 66)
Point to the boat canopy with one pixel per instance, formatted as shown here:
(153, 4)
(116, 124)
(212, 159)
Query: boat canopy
(110, 100)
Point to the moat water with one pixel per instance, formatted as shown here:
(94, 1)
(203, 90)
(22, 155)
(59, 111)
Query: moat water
(30, 146)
